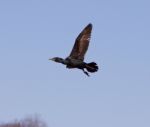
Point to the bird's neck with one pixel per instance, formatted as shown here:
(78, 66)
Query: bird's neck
(63, 61)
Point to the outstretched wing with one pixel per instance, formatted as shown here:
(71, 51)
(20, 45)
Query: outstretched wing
(81, 43)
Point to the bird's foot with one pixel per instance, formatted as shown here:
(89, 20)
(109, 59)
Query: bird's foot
(85, 72)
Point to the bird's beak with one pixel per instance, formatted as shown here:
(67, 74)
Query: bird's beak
(51, 59)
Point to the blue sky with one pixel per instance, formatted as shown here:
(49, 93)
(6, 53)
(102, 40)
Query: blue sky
(32, 31)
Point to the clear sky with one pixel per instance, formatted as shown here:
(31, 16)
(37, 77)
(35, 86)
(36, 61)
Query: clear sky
(32, 31)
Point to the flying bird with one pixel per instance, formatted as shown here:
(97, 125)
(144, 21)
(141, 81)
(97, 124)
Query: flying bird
(76, 57)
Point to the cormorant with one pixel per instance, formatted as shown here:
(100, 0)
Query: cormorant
(76, 57)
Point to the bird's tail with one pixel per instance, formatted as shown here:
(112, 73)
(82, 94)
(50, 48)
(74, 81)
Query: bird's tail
(91, 67)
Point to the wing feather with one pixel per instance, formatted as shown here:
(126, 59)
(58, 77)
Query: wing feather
(81, 43)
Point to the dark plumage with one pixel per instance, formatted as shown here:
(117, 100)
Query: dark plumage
(76, 57)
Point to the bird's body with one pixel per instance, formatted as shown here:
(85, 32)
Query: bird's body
(76, 57)
(74, 63)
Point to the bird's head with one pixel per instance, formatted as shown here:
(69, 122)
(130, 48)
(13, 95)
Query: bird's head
(56, 59)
